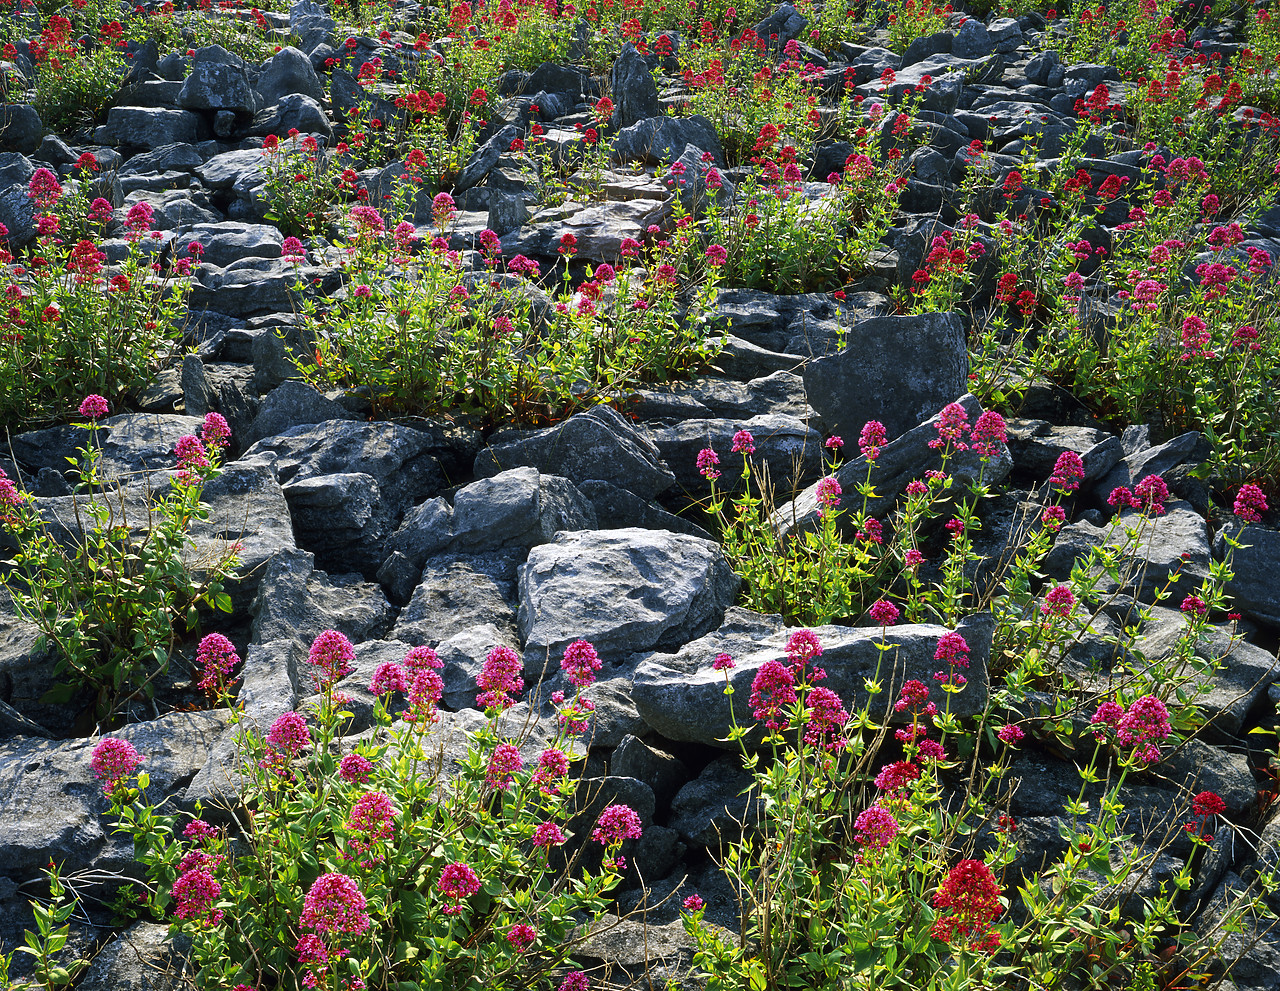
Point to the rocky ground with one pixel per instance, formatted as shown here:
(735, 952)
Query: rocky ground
(432, 532)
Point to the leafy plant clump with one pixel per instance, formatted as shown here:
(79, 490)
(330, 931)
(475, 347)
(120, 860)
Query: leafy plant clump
(377, 863)
(111, 591)
(74, 326)
(415, 334)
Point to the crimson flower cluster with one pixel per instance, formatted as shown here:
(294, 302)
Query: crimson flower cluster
(971, 897)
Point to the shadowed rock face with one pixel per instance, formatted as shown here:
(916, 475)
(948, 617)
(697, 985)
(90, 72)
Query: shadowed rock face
(426, 533)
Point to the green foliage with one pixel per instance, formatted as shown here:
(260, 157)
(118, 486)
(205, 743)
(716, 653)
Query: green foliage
(301, 807)
(73, 328)
(50, 939)
(843, 886)
(301, 184)
(418, 336)
(913, 19)
(73, 84)
(112, 593)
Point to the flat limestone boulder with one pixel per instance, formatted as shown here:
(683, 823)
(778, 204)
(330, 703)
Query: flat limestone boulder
(517, 508)
(1254, 590)
(790, 448)
(899, 370)
(597, 444)
(55, 808)
(623, 590)
(1172, 551)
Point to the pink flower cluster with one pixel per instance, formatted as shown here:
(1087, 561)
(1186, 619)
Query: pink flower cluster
(580, 663)
(335, 904)
(457, 883)
(616, 823)
(1149, 496)
(1141, 726)
(827, 718)
(331, 655)
(500, 678)
(503, 763)
(216, 657)
(954, 650)
(114, 760)
(876, 827)
(371, 820)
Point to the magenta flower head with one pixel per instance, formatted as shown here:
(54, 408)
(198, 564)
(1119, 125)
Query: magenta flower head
(1106, 719)
(717, 255)
(1146, 721)
(457, 882)
(503, 763)
(443, 209)
(897, 776)
(215, 432)
(953, 649)
(500, 678)
(873, 437)
(139, 218)
(388, 678)
(575, 980)
(1122, 498)
(547, 835)
(803, 645)
(580, 663)
(193, 896)
(744, 443)
(94, 407)
(616, 823)
(101, 211)
(826, 718)
(883, 612)
(876, 827)
(1152, 493)
(722, 662)
(1193, 605)
(772, 690)
(10, 499)
(355, 769)
(289, 734)
(1053, 517)
(331, 655)
(693, 903)
(707, 461)
(912, 694)
(335, 904)
(1059, 601)
(1067, 471)
(422, 657)
(1010, 734)
(191, 456)
(44, 188)
(216, 657)
(292, 250)
(521, 937)
(1250, 504)
(114, 761)
(834, 443)
(372, 820)
(952, 423)
(425, 691)
(553, 764)
(988, 435)
(828, 493)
